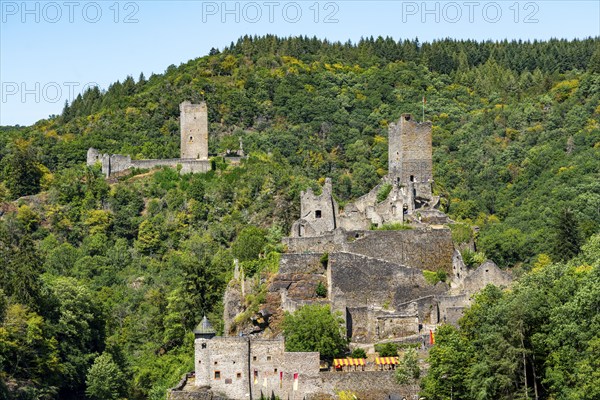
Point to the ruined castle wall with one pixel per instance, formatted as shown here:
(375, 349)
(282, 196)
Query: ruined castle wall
(194, 131)
(363, 280)
(366, 210)
(451, 307)
(119, 163)
(326, 243)
(318, 213)
(487, 273)
(187, 166)
(425, 308)
(368, 385)
(93, 156)
(429, 249)
(238, 365)
(394, 326)
(296, 263)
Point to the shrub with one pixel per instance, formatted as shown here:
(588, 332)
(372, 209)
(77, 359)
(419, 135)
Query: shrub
(321, 290)
(358, 353)
(461, 233)
(387, 349)
(383, 192)
(433, 277)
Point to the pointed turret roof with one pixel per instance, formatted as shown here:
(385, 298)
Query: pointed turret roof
(204, 328)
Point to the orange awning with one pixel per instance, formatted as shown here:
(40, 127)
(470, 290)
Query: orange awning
(342, 362)
(386, 360)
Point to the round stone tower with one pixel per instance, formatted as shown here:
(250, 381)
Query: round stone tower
(203, 333)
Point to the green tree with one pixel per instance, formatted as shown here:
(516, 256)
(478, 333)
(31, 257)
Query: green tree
(449, 361)
(315, 328)
(567, 238)
(408, 371)
(249, 243)
(148, 241)
(105, 380)
(20, 169)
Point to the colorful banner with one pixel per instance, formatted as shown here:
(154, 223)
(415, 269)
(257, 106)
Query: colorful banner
(255, 377)
(295, 381)
(280, 379)
(431, 337)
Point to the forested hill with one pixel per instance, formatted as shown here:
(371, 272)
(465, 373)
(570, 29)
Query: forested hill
(126, 270)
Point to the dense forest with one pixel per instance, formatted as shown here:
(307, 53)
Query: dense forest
(108, 278)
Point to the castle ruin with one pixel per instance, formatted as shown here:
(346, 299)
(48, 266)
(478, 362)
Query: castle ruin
(193, 121)
(376, 279)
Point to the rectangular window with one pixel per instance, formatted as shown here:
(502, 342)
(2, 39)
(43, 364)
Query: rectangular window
(318, 214)
(238, 375)
(217, 374)
(268, 358)
(254, 358)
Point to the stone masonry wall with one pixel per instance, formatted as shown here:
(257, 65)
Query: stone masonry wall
(410, 150)
(187, 166)
(486, 273)
(193, 123)
(428, 248)
(367, 385)
(301, 263)
(362, 280)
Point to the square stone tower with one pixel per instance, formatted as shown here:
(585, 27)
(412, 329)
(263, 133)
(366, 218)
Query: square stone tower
(409, 155)
(193, 121)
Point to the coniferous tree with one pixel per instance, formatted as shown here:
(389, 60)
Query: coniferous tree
(567, 237)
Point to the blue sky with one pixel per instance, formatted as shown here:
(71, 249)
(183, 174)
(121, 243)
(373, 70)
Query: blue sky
(50, 50)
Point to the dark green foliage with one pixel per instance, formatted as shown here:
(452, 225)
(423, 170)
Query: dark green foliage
(249, 243)
(321, 290)
(358, 353)
(20, 169)
(387, 349)
(461, 233)
(504, 244)
(567, 236)
(315, 328)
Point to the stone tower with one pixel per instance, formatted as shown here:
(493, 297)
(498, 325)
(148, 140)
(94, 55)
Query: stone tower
(203, 333)
(409, 155)
(318, 213)
(193, 122)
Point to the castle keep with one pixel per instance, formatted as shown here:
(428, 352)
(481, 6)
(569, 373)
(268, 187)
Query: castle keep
(193, 122)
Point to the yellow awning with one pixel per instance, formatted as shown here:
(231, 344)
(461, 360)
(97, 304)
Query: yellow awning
(342, 362)
(386, 360)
